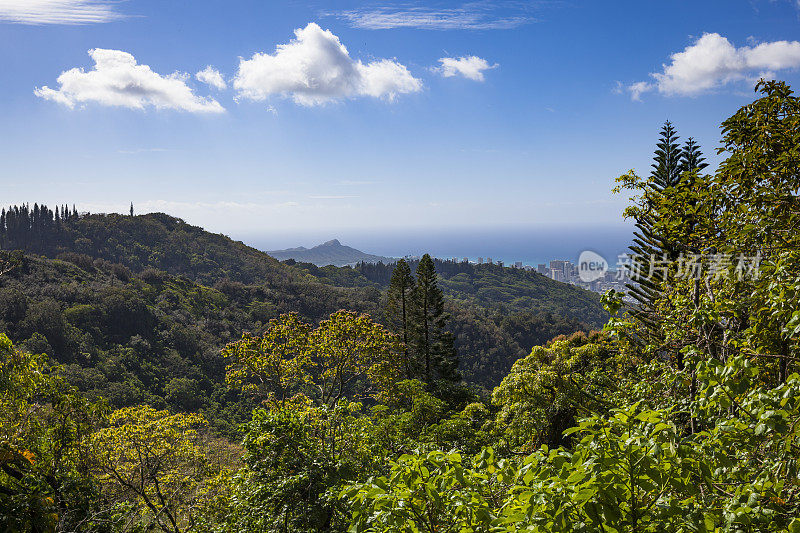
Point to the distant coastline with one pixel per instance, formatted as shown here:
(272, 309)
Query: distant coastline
(529, 245)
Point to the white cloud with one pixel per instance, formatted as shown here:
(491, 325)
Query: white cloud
(315, 68)
(712, 62)
(212, 77)
(57, 11)
(117, 80)
(471, 67)
(472, 16)
(639, 88)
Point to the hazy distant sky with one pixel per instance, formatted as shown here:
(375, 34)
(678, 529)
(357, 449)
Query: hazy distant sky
(281, 117)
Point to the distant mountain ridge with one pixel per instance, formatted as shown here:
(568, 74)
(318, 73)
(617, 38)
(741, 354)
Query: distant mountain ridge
(331, 252)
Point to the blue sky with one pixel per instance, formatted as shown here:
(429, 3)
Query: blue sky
(437, 115)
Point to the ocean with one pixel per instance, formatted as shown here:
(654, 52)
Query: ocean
(531, 244)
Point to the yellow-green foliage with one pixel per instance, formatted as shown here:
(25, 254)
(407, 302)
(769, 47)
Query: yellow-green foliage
(348, 353)
(152, 465)
(545, 391)
(273, 365)
(349, 348)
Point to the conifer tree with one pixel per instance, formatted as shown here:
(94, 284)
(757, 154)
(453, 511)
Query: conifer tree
(398, 308)
(667, 159)
(432, 343)
(671, 164)
(647, 245)
(691, 157)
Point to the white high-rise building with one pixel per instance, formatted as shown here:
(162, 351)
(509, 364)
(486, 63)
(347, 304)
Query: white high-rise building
(558, 265)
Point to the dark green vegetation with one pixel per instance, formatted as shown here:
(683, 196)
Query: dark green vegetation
(328, 253)
(151, 337)
(415, 306)
(683, 416)
(137, 309)
(508, 290)
(496, 313)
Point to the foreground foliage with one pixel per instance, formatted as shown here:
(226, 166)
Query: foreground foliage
(630, 470)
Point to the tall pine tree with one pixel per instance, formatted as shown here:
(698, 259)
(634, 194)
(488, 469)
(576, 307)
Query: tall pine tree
(398, 310)
(433, 345)
(647, 245)
(671, 164)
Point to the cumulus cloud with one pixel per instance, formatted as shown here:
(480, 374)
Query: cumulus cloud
(117, 80)
(315, 68)
(712, 62)
(212, 77)
(57, 11)
(472, 16)
(471, 67)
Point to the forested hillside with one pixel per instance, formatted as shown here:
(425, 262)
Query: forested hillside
(155, 240)
(119, 290)
(167, 243)
(510, 289)
(148, 337)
